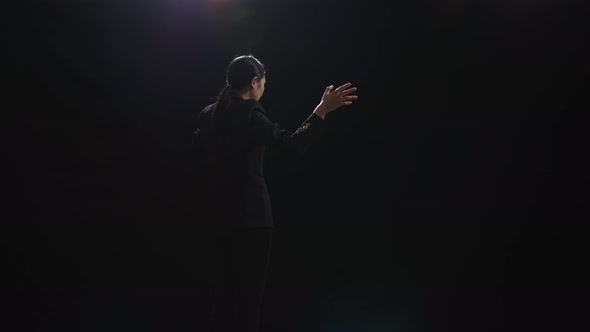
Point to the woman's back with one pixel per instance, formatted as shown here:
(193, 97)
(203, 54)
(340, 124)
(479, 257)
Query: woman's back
(233, 162)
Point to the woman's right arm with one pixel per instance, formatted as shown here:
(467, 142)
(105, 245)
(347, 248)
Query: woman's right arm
(263, 131)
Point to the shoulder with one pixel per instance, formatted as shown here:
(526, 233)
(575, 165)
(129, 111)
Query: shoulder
(254, 106)
(256, 113)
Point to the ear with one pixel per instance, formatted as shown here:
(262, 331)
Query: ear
(254, 82)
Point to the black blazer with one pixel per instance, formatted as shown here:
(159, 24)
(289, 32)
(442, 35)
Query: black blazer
(230, 154)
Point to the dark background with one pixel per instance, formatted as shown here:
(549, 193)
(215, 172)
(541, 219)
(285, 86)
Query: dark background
(449, 197)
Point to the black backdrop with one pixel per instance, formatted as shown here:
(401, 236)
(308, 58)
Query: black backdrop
(450, 196)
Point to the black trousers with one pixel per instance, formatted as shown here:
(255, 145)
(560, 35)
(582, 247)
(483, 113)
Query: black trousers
(241, 261)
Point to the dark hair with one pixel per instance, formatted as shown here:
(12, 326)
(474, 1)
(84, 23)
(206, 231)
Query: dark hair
(240, 72)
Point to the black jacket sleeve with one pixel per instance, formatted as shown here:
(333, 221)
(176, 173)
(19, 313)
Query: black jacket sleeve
(265, 132)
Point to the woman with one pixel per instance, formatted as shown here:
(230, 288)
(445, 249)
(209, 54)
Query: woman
(231, 138)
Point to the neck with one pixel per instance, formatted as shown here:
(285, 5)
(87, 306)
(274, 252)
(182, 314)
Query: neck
(246, 94)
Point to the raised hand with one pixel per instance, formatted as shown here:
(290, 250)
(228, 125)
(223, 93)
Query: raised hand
(333, 99)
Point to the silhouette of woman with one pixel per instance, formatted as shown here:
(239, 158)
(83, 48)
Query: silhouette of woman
(231, 137)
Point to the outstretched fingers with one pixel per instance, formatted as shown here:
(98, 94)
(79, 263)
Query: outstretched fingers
(346, 97)
(347, 100)
(349, 97)
(342, 87)
(347, 91)
(340, 96)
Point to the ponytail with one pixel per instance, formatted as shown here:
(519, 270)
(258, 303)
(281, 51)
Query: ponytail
(223, 101)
